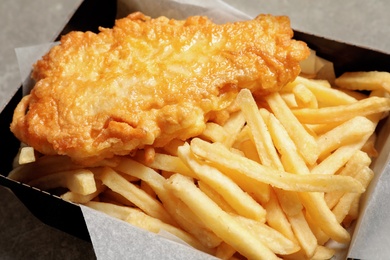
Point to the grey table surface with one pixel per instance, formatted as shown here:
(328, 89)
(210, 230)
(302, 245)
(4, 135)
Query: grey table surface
(25, 23)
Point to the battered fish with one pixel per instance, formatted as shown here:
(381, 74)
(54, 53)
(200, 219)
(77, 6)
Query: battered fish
(148, 81)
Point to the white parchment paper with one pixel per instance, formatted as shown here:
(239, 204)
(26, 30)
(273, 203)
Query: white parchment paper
(115, 239)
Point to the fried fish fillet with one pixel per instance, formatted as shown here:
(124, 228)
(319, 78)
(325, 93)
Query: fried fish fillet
(148, 81)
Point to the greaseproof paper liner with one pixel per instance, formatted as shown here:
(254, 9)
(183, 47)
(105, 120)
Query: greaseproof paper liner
(115, 239)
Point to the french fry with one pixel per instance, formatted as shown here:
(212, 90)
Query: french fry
(225, 251)
(323, 252)
(223, 225)
(49, 164)
(140, 219)
(249, 150)
(183, 216)
(343, 207)
(80, 181)
(26, 155)
(168, 163)
(305, 142)
(293, 161)
(233, 126)
(145, 186)
(316, 207)
(46, 165)
(354, 165)
(320, 253)
(369, 146)
(325, 95)
(274, 240)
(240, 201)
(115, 198)
(215, 133)
(334, 162)
(259, 191)
(258, 129)
(353, 212)
(241, 167)
(319, 129)
(341, 113)
(150, 205)
(216, 197)
(82, 199)
(364, 80)
(304, 97)
(277, 219)
(303, 233)
(289, 99)
(348, 132)
(322, 238)
(171, 147)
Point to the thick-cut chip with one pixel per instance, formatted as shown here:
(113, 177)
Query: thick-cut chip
(223, 225)
(80, 181)
(364, 80)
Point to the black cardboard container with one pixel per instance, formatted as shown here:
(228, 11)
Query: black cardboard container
(66, 216)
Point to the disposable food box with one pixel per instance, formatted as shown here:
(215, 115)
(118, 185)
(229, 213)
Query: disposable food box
(68, 217)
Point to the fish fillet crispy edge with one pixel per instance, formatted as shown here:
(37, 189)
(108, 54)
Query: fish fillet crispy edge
(148, 81)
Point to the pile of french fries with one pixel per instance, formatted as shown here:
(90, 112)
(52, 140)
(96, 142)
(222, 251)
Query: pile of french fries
(280, 178)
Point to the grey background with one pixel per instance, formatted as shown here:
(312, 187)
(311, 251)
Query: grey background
(24, 23)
